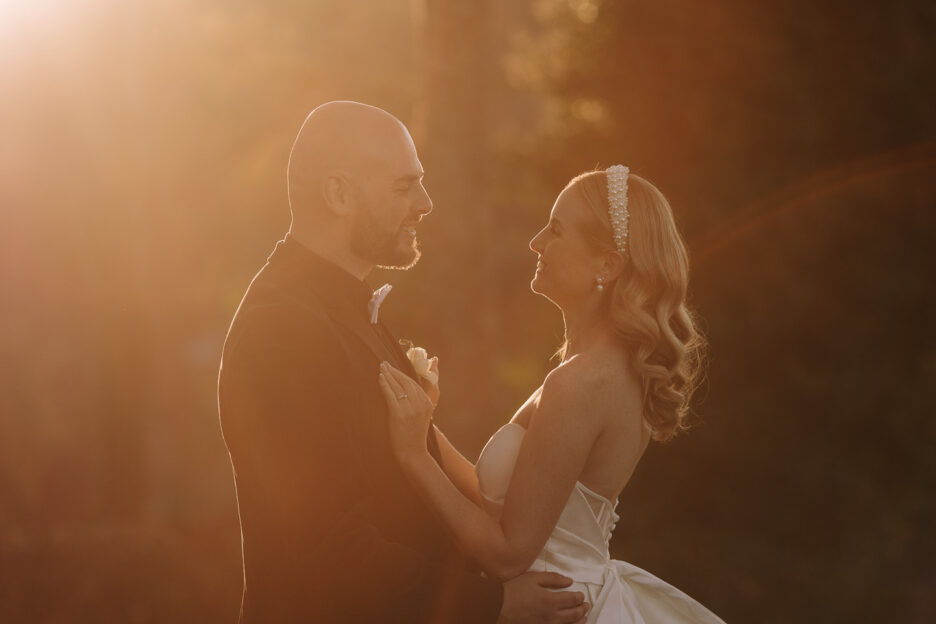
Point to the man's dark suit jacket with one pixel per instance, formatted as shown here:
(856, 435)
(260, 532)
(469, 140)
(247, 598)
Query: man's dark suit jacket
(331, 530)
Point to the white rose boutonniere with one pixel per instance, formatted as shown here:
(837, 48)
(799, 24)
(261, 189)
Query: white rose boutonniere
(422, 364)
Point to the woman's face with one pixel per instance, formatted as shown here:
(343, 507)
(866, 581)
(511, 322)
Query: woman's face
(568, 263)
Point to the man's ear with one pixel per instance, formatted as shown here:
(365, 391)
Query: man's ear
(338, 194)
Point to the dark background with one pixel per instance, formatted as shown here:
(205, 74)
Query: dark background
(143, 149)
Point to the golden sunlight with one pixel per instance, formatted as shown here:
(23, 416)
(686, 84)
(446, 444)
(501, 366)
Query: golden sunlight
(20, 20)
(19, 8)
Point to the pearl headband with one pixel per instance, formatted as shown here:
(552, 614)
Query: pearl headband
(617, 204)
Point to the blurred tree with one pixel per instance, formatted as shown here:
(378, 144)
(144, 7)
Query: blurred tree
(454, 121)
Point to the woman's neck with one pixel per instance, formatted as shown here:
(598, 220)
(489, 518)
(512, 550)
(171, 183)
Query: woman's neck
(584, 328)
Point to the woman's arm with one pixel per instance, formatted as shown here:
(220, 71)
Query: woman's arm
(458, 469)
(551, 459)
(456, 466)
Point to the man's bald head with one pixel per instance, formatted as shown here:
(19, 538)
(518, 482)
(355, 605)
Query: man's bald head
(355, 188)
(340, 138)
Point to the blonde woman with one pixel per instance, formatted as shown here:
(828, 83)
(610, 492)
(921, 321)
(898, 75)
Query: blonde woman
(543, 493)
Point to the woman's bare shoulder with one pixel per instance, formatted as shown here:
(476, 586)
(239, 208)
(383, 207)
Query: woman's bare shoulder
(522, 416)
(599, 382)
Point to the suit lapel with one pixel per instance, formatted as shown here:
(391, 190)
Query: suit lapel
(367, 335)
(325, 283)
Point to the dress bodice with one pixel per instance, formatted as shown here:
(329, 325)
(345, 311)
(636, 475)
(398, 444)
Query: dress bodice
(578, 546)
(619, 592)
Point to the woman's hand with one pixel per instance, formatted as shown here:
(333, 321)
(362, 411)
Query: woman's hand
(410, 410)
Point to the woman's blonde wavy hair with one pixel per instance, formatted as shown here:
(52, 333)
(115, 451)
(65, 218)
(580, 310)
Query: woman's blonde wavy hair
(647, 301)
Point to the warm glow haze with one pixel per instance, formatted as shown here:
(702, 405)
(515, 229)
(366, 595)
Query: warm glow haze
(24, 20)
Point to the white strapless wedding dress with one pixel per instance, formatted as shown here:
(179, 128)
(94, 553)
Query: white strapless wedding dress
(618, 592)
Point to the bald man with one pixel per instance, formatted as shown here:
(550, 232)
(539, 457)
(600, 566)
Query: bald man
(331, 530)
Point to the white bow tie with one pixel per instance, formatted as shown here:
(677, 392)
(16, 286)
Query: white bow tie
(373, 306)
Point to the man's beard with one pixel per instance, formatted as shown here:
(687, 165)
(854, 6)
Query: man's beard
(370, 242)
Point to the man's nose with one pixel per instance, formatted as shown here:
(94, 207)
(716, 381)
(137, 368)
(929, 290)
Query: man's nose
(424, 205)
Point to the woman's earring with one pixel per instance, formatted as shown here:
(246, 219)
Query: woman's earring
(600, 281)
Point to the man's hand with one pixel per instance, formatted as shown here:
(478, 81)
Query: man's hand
(528, 600)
